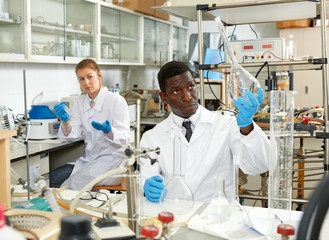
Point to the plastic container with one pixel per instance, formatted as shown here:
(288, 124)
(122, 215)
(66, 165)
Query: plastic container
(116, 90)
(7, 232)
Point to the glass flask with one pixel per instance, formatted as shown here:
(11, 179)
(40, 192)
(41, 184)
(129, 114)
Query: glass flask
(176, 196)
(218, 209)
(281, 158)
(241, 80)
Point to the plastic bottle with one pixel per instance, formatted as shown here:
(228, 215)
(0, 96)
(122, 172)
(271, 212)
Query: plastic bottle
(7, 232)
(116, 90)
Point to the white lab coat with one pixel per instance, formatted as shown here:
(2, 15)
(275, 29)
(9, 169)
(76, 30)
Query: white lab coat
(208, 154)
(101, 153)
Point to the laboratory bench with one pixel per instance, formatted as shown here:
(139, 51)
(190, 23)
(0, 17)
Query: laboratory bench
(44, 155)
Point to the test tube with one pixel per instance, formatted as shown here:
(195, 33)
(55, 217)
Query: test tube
(281, 157)
(67, 110)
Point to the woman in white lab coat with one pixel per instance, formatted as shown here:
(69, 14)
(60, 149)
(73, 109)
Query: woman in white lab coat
(101, 118)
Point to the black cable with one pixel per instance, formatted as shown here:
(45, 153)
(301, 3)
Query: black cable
(268, 70)
(220, 101)
(306, 222)
(253, 31)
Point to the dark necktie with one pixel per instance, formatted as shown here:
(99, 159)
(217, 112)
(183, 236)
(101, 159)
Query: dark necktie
(188, 128)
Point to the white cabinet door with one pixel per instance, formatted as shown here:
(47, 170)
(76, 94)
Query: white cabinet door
(308, 84)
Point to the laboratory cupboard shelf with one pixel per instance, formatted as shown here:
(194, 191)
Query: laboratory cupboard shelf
(58, 31)
(298, 65)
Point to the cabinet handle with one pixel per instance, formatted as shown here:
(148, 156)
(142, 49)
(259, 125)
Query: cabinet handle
(306, 89)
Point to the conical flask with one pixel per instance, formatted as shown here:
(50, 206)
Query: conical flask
(218, 209)
(177, 197)
(241, 80)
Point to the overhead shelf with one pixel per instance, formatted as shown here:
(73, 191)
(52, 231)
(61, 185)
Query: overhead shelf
(243, 11)
(300, 65)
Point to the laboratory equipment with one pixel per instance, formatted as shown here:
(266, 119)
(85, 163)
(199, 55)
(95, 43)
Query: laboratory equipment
(7, 232)
(6, 118)
(44, 123)
(258, 50)
(35, 224)
(241, 80)
(69, 101)
(177, 197)
(165, 218)
(76, 227)
(281, 157)
(150, 231)
(218, 209)
(282, 80)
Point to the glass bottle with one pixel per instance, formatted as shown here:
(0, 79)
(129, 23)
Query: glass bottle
(176, 196)
(241, 80)
(218, 209)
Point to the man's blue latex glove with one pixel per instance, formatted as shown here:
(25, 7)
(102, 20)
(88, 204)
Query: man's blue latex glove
(153, 188)
(247, 109)
(60, 112)
(105, 126)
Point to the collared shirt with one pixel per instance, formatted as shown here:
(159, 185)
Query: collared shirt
(209, 153)
(179, 120)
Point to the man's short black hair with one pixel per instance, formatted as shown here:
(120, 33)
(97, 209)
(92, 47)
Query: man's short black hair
(169, 70)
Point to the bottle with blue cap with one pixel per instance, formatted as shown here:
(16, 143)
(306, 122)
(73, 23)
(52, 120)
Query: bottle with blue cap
(116, 90)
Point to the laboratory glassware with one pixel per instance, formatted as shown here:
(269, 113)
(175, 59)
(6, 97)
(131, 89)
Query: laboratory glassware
(218, 209)
(241, 81)
(176, 196)
(281, 158)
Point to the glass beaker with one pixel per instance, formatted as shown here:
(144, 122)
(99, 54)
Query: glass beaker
(176, 196)
(281, 158)
(241, 80)
(218, 209)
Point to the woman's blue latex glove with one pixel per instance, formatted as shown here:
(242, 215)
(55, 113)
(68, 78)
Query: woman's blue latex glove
(153, 188)
(247, 109)
(60, 112)
(105, 126)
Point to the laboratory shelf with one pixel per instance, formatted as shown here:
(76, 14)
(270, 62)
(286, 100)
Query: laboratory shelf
(54, 29)
(297, 65)
(7, 21)
(118, 37)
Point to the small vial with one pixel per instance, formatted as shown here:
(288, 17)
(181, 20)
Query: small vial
(67, 110)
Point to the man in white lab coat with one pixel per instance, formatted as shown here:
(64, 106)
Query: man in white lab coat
(215, 139)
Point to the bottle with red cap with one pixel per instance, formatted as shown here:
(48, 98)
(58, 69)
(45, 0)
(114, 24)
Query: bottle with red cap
(150, 231)
(285, 230)
(7, 232)
(165, 218)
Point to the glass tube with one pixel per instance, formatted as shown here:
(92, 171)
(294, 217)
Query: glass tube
(241, 80)
(281, 157)
(177, 197)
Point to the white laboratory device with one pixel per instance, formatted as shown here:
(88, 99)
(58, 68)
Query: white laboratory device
(258, 50)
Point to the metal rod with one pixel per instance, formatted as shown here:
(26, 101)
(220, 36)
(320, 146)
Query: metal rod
(304, 188)
(308, 180)
(245, 196)
(138, 123)
(200, 44)
(309, 175)
(325, 79)
(27, 140)
(307, 169)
